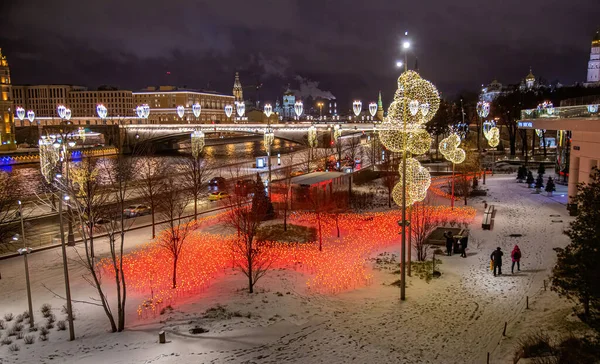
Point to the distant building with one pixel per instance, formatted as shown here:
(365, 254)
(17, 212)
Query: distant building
(7, 109)
(238, 93)
(490, 92)
(43, 99)
(119, 103)
(163, 102)
(593, 72)
(289, 100)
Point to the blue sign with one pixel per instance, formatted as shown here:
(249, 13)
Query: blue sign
(524, 124)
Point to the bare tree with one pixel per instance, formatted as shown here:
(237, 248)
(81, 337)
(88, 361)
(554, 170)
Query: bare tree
(172, 204)
(9, 196)
(252, 260)
(319, 203)
(467, 169)
(90, 199)
(422, 224)
(336, 206)
(389, 169)
(354, 152)
(283, 191)
(151, 173)
(197, 171)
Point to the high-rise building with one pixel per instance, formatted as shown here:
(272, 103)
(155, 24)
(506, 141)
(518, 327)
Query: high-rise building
(238, 93)
(593, 73)
(43, 99)
(7, 130)
(164, 100)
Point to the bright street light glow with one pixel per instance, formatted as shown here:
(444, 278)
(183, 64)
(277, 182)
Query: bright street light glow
(406, 45)
(399, 64)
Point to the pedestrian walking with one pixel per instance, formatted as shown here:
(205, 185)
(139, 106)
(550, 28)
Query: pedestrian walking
(516, 258)
(464, 241)
(496, 258)
(449, 242)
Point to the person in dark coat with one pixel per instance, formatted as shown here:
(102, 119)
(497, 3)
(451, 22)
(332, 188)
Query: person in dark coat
(516, 258)
(464, 241)
(449, 242)
(496, 258)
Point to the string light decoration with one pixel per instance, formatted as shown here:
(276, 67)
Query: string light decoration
(373, 109)
(298, 108)
(494, 137)
(228, 110)
(357, 107)
(540, 132)
(31, 116)
(483, 109)
(486, 127)
(420, 98)
(20, 113)
(197, 109)
(312, 136)
(337, 131)
(49, 156)
(197, 143)
(180, 111)
(81, 132)
(268, 138)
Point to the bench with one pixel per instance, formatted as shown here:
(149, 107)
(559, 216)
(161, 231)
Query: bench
(488, 215)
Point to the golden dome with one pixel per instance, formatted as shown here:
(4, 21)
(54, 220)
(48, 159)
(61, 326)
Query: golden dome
(596, 40)
(530, 76)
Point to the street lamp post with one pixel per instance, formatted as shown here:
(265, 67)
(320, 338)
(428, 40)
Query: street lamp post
(320, 105)
(405, 46)
(65, 115)
(66, 268)
(25, 252)
(268, 140)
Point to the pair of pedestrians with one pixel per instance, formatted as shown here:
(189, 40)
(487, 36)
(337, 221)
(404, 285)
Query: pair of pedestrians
(496, 260)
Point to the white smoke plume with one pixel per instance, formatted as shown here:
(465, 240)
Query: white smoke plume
(309, 88)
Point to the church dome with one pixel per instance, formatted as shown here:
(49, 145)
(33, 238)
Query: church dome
(530, 76)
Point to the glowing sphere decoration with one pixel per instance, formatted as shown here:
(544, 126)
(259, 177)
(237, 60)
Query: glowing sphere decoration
(197, 109)
(61, 109)
(31, 116)
(592, 108)
(102, 111)
(486, 127)
(67, 114)
(357, 107)
(419, 142)
(298, 108)
(228, 110)
(494, 137)
(20, 113)
(373, 109)
(268, 110)
(240, 107)
(414, 91)
(483, 109)
(312, 136)
(180, 111)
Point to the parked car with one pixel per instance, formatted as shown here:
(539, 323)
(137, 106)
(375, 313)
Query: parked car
(296, 173)
(98, 225)
(217, 184)
(216, 196)
(136, 210)
(244, 187)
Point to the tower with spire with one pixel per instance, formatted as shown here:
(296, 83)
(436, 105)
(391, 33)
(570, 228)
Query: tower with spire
(593, 73)
(530, 79)
(379, 114)
(7, 110)
(238, 94)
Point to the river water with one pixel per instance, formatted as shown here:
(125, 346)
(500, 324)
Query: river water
(31, 180)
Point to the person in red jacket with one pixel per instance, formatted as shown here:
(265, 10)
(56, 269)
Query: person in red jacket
(516, 258)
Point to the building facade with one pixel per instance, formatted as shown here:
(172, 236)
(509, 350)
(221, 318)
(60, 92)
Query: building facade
(593, 72)
(164, 100)
(119, 103)
(43, 99)
(7, 128)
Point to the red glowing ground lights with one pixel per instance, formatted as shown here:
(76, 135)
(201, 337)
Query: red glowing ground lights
(341, 266)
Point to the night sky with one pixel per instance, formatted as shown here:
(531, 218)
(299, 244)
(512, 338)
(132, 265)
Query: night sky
(324, 46)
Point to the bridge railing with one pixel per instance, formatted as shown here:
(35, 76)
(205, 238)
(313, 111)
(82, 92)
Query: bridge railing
(564, 112)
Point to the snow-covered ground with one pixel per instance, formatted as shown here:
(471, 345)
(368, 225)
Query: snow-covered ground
(457, 318)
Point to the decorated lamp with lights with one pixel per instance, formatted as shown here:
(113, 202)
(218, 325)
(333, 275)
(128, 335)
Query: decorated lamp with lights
(228, 110)
(357, 107)
(31, 116)
(240, 107)
(483, 109)
(373, 109)
(197, 143)
(486, 127)
(298, 108)
(20, 113)
(102, 111)
(68, 114)
(60, 110)
(196, 109)
(180, 111)
(312, 136)
(268, 110)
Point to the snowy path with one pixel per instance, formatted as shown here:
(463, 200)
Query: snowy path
(455, 319)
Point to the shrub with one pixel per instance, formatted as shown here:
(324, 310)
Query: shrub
(33, 328)
(51, 318)
(18, 327)
(9, 316)
(61, 325)
(11, 332)
(29, 339)
(44, 331)
(19, 318)
(20, 335)
(535, 344)
(43, 337)
(6, 341)
(14, 347)
(46, 309)
(49, 325)
(2, 325)
(25, 315)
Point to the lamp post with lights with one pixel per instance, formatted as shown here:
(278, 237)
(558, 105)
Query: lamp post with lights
(269, 137)
(25, 250)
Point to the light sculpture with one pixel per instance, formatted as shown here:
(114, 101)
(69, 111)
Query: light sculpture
(49, 156)
(20, 113)
(357, 107)
(240, 107)
(298, 108)
(312, 136)
(483, 109)
(180, 111)
(61, 111)
(197, 143)
(197, 109)
(450, 150)
(268, 110)
(102, 111)
(228, 110)
(486, 127)
(146, 109)
(373, 109)
(337, 131)
(31, 116)
(68, 114)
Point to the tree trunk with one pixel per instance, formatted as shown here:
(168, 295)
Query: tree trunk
(249, 256)
(153, 224)
(175, 257)
(337, 224)
(320, 236)
(195, 207)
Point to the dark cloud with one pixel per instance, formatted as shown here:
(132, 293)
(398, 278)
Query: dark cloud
(349, 48)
